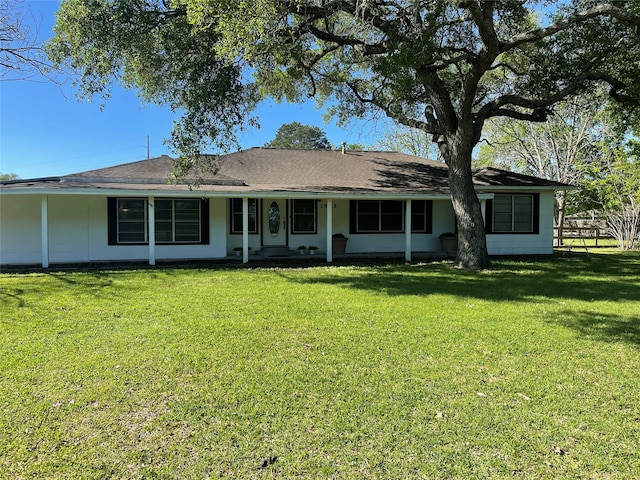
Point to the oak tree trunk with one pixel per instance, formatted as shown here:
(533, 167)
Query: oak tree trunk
(472, 240)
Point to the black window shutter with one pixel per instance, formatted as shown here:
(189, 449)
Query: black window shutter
(488, 216)
(112, 220)
(204, 221)
(353, 213)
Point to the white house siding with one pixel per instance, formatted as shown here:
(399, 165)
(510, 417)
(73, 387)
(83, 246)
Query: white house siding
(102, 251)
(523, 244)
(69, 228)
(20, 232)
(443, 221)
(78, 232)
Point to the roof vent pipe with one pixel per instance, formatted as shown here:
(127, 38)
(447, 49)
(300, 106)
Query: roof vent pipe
(344, 148)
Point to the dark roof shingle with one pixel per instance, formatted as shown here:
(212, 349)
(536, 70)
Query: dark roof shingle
(276, 170)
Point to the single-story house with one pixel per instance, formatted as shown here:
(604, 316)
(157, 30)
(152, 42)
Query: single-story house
(263, 201)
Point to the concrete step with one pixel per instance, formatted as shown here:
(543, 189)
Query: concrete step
(275, 251)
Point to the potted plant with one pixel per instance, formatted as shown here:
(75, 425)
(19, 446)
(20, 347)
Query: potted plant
(449, 243)
(237, 251)
(312, 250)
(301, 249)
(339, 243)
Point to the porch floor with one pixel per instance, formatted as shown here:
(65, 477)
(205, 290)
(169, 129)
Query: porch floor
(293, 260)
(344, 258)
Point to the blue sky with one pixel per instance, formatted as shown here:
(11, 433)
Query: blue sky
(46, 131)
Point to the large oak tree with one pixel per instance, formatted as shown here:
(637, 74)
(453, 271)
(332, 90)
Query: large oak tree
(442, 66)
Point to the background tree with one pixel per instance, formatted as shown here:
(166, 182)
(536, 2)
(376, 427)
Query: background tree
(612, 187)
(441, 66)
(398, 138)
(8, 176)
(19, 50)
(297, 136)
(559, 149)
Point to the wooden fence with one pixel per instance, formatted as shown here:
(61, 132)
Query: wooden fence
(577, 233)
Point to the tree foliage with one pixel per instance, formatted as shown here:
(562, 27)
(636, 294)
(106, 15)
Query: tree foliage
(441, 66)
(583, 144)
(8, 176)
(297, 136)
(399, 138)
(612, 187)
(559, 149)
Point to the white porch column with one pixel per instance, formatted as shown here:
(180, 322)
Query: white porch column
(483, 209)
(330, 230)
(245, 230)
(407, 234)
(152, 231)
(44, 230)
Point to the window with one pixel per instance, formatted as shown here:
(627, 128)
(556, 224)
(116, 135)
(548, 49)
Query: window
(387, 216)
(421, 214)
(304, 216)
(379, 216)
(513, 213)
(177, 221)
(132, 220)
(236, 215)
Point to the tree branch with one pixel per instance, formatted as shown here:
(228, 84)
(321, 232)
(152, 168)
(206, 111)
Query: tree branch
(580, 17)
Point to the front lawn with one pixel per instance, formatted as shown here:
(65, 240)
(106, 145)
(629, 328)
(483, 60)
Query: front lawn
(531, 370)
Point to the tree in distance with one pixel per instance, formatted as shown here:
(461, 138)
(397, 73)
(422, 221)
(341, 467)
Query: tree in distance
(559, 149)
(440, 66)
(610, 185)
(8, 176)
(584, 145)
(297, 136)
(412, 141)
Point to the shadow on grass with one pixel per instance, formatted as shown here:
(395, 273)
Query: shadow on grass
(608, 277)
(96, 284)
(603, 326)
(604, 277)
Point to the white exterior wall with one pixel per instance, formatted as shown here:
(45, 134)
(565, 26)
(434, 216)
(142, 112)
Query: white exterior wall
(443, 221)
(78, 232)
(20, 229)
(523, 244)
(69, 228)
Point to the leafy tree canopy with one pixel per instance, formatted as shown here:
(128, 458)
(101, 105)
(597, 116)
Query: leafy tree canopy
(611, 187)
(8, 176)
(297, 136)
(441, 66)
(560, 149)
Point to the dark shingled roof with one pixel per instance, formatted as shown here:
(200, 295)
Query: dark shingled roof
(494, 177)
(295, 171)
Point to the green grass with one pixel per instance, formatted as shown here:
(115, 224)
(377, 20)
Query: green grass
(531, 370)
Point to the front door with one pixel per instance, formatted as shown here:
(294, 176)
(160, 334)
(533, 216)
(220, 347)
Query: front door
(274, 222)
